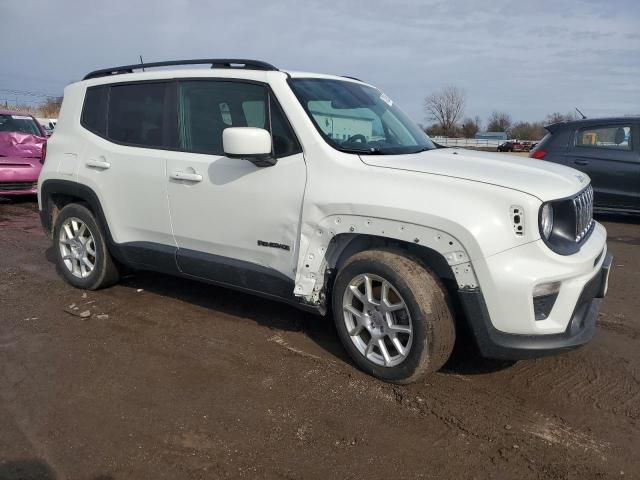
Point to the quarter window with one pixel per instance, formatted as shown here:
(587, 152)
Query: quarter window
(94, 110)
(137, 114)
(206, 108)
(615, 136)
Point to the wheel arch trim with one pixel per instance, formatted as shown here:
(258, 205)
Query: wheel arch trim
(75, 190)
(324, 248)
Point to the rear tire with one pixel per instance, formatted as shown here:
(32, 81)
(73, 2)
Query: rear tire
(81, 250)
(389, 297)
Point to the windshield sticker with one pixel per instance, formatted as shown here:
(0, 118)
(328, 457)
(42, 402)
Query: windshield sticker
(20, 117)
(386, 99)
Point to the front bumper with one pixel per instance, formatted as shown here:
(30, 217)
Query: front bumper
(13, 192)
(580, 329)
(19, 179)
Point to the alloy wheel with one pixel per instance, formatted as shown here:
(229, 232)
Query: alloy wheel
(377, 320)
(77, 247)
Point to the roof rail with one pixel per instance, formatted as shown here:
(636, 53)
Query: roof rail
(214, 62)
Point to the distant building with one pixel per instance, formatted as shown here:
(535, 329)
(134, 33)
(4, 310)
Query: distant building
(491, 136)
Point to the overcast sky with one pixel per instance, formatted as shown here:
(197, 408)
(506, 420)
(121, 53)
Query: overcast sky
(526, 57)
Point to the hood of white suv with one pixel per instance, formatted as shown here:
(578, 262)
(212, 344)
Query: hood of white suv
(545, 180)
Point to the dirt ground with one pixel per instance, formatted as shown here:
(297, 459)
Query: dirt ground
(171, 379)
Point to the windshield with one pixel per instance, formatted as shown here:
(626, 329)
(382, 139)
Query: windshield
(20, 124)
(356, 118)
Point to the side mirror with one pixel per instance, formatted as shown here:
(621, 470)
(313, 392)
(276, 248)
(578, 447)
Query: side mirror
(249, 143)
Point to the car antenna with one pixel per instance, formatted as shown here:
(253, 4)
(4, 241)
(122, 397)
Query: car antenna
(577, 110)
(141, 63)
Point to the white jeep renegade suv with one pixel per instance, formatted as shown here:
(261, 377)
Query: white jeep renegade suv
(318, 191)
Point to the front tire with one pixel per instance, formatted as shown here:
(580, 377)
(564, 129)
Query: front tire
(81, 249)
(392, 316)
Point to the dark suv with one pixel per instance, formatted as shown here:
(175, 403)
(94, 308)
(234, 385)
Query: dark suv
(606, 149)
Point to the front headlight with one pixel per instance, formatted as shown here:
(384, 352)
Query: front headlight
(567, 222)
(546, 220)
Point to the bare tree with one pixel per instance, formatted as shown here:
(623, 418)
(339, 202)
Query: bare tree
(528, 130)
(470, 126)
(557, 117)
(499, 122)
(446, 108)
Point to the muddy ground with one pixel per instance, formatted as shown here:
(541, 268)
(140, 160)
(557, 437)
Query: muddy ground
(171, 379)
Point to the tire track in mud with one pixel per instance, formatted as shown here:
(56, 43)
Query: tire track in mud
(617, 324)
(503, 418)
(599, 384)
(485, 416)
(462, 405)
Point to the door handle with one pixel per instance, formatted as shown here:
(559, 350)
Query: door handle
(189, 177)
(581, 162)
(99, 164)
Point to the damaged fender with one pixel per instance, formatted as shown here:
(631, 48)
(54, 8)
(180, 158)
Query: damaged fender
(318, 252)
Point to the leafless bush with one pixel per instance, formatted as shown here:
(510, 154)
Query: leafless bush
(50, 108)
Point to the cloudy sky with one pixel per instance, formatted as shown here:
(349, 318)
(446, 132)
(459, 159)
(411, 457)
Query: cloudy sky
(526, 57)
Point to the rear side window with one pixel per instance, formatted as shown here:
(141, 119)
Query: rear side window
(94, 110)
(136, 114)
(614, 136)
(206, 108)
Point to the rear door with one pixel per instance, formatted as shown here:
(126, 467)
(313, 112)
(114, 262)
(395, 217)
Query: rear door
(123, 161)
(609, 155)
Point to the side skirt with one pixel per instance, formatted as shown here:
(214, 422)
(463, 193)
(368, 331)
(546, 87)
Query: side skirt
(212, 269)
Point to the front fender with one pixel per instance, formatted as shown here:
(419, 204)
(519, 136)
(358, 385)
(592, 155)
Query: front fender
(317, 243)
(463, 221)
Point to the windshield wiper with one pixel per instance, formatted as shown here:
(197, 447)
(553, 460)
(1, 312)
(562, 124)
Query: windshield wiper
(423, 149)
(362, 151)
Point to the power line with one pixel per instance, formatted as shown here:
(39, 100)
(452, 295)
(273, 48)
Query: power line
(17, 101)
(27, 93)
(48, 79)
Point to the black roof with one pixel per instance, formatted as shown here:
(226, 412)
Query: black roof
(586, 122)
(241, 63)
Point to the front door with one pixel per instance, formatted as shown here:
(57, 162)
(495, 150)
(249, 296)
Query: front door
(234, 222)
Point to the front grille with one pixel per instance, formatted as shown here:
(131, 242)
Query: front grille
(583, 208)
(7, 187)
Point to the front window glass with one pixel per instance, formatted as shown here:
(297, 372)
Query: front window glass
(356, 118)
(615, 136)
(206, 108)
(19, 124)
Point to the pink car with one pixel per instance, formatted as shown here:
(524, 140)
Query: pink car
(22, 149)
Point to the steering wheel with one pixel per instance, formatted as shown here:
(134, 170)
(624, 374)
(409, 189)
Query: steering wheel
(358, 137)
